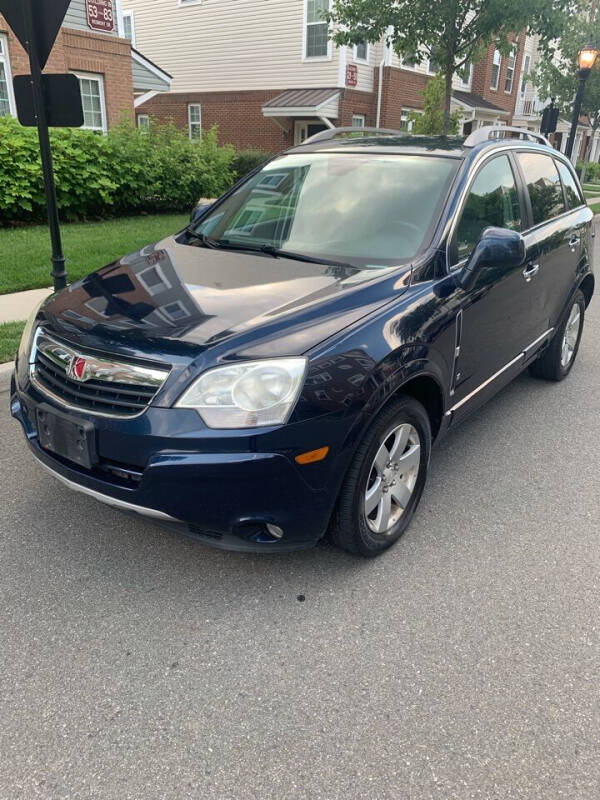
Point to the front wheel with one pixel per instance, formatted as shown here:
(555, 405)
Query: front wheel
(385, 480)
(556, 361)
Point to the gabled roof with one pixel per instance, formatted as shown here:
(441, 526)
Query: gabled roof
(477, 101)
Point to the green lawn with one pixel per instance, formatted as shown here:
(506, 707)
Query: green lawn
(10, 335)
(25, 262)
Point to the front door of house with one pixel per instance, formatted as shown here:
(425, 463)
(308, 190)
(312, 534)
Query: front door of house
(304, 129)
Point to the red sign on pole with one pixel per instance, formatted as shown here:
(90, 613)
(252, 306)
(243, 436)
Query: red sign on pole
(100, 15)
(351, 75)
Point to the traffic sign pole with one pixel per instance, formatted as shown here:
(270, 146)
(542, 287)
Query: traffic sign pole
(59, 274)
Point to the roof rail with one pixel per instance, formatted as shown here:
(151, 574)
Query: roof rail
(495, 132)
(332, 133)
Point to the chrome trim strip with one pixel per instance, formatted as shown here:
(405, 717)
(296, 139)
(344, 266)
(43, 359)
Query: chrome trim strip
(122, 505)
(522, 356)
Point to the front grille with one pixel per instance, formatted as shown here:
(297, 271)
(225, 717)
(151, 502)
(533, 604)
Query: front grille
(103, 387)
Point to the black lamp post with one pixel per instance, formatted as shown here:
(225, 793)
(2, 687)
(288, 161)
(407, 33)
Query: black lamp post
(587, 59)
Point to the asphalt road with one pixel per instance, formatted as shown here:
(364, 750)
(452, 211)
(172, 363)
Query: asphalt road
(463, 664)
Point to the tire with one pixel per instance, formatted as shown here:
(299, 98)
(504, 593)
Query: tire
(352, 528)
(551, 363)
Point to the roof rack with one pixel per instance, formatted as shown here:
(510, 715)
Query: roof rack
(489, 132)
(332, 133)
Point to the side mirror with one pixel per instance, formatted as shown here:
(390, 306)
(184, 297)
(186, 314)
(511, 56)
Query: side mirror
(497, 247)
(199, 211)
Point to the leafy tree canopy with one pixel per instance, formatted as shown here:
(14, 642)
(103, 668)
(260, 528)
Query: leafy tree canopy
(454, 33)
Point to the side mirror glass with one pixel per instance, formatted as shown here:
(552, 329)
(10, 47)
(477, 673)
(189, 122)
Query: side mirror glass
(498, 248)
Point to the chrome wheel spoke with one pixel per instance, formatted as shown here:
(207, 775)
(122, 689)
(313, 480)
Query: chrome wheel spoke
(373, 497)
(381, 459)
(411, 459)
(569, 342)
(384, 512)
(401, 494)
(400, 442)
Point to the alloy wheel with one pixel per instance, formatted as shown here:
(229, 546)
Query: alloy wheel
(571, 336)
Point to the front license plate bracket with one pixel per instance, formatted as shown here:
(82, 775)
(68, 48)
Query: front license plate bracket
(69, 437)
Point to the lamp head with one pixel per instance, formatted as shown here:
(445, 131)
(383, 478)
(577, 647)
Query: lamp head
(587, 57)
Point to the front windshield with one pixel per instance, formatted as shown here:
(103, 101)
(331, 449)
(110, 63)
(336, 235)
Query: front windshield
(369, 210)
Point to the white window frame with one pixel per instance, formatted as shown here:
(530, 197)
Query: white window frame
(494, 86)
(305, 24)
(156, 288)
(469, 82)
(362, 118)
(365, 60)
(5, 59)
(99, 77)
(194, 122)
(512, 59)
(140, 117)
(131, 16)
(169, 316)
(525, 69)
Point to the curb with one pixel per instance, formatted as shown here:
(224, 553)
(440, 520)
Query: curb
(6, 371)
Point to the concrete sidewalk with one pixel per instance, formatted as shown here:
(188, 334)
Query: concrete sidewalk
(18, 306)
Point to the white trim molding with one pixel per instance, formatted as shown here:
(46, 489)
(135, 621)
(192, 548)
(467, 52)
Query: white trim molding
(143, 98)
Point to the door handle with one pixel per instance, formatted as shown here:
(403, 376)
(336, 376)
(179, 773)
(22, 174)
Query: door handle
(574, 242)
(530, 270)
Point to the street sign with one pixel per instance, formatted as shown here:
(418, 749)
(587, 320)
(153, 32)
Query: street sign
(100, 15)
(351, 75)
(47, 15)
(62, 100)
(549, 120)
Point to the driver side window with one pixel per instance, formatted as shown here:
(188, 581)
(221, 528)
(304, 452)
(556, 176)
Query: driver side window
(492, 201)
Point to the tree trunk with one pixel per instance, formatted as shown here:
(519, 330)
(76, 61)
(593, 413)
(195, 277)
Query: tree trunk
(588, 152)
(448, 99)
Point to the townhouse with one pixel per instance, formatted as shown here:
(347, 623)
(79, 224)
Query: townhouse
(267, 73)
(111, 73)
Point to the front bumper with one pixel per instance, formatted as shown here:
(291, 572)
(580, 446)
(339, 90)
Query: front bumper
(221, 488)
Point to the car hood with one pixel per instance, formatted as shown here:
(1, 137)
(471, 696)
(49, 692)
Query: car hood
(177, 298)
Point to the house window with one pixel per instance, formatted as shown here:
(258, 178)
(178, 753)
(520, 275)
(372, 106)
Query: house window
(143, 122)
(7, 105)
(496, 70)
(317, 29)
(91, 87)
(406, 123)
(433, 65)
(510, 72)
(466, 76)
(128, 31)
(358, 120)
(195, 120)
(153, 280)
(175, 311)
(526, 68)
(361, 52)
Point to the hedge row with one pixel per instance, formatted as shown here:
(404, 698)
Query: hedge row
(127, 171)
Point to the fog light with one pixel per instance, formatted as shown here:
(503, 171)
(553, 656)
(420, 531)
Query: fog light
(275, 531)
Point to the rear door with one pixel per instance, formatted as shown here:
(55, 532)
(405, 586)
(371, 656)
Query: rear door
(554, 239)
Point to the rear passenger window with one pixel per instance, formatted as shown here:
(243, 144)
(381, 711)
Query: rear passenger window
(574, 199)
(543, 183)
(492, 201)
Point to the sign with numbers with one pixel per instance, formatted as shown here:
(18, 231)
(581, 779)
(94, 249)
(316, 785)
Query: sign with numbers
(351, 75)
(100, 15)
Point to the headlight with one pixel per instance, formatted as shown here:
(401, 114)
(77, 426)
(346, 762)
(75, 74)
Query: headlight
(25, 344)
(247, 395)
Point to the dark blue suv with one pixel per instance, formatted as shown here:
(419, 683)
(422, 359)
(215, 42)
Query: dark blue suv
(280, 369)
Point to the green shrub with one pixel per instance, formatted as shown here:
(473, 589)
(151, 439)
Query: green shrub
(126, 171)
(592, 174)
(247, 160)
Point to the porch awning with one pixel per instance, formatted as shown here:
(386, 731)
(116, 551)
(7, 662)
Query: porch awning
(476, 102)
(304, 103)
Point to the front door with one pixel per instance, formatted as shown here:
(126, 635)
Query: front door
(304, 129)
(499, 318)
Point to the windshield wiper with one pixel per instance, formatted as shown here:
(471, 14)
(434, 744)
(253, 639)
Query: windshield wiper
(202, 237)
(278, 252)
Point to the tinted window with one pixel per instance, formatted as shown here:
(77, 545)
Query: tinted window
(573, 196)
(545, 190)
(369, 210)
(492, 201)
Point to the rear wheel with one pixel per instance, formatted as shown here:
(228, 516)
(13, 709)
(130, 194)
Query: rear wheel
(556, 361)
(385, 481)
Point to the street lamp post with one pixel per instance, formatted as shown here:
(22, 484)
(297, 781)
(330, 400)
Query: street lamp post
(587, 58)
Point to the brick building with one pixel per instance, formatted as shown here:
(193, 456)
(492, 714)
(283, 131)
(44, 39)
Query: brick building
(111, 73)
(269, 76)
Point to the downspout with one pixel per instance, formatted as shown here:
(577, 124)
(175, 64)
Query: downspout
(380, 90)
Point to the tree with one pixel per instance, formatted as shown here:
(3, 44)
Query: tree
(453, 33)
(558, 77)
(431, 121)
